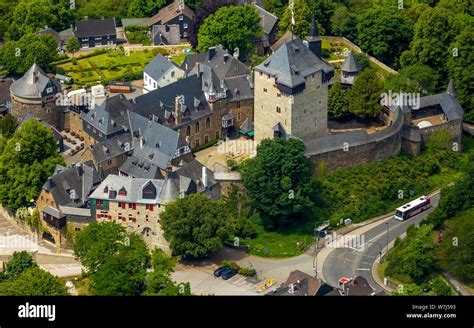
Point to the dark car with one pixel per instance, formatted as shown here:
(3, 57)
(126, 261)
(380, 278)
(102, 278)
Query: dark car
(218, 272)
(229, 273)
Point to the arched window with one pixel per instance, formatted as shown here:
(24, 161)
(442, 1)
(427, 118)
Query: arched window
(197, 127)
(208, 123)
(188, 130)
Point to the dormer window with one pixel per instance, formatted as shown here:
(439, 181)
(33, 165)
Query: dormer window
(106, 189)
(123, 191)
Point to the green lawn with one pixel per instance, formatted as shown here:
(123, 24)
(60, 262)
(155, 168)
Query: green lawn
(113, 65)
(285, 242)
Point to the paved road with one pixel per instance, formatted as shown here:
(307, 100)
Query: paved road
(350, 262)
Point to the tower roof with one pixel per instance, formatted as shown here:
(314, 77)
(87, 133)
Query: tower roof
(32, 84)
(313, 31)
(451, 89)
(351, 65)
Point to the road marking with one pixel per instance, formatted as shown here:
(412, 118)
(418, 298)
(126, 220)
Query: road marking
(363, 269)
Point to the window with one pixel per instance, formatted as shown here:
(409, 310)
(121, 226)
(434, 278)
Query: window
(278, 109)
(197, 143)
(133, 206)
(185, 34)
(188, 130)
(238, 116)
(196, 129)
(237, 104)
(181, 17)
(208, 123)
(217, 134)
(206, 139)
(265, 90)
(185, 25)
(149, 207)
(172, 74)
(279, 95)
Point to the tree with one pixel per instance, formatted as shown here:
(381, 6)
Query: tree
(7, 126)
(33, 282)
(457, 248)
(461, 69)
(435, 31)
(440, 287)
(73, 45)
(364, 97)
(302, 15)
(19, 263)
(384, 33)
(195, 226)
(158, 282)
(439, 140)
(343, 23)
(363, 61)
(30, 16)
(337, 101)
(144, 8)
(276, 7)
(413, 79)
(278, 181)
(232, 27)
(18, 56)
(96, 243)
(207, 8)
(123, 273)
(28, 159)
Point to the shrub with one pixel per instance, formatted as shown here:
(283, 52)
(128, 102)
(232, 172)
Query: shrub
(231, 264)
(249, 272)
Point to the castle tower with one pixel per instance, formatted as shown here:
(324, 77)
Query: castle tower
(350, 69)
(35, 94)
(291, 93)
(314, 39)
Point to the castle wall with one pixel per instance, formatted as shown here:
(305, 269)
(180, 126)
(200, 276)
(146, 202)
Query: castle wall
(47, 112)
(453, 127)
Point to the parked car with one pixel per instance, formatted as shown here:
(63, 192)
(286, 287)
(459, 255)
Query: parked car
(229, 273)
(218, 272)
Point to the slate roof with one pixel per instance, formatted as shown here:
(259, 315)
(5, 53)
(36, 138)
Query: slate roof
(95, 27)
(186, 180)
(108, 149)
(169, 12)
(268, 21)
(337, 141)
(82, 178)
(5, 90)
(66, 34)
(351, 65)
(448, 104)
(159, 142)
(288, 36)
(451, 90)
(222, 63)
(292, 63)
(166, 34)
(239, 88)
(111, 116)
(33, 84)
(159, 66)
(51, 32)
(162, 102)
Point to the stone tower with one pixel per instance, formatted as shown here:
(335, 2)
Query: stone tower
(291, 92)
(35, 94)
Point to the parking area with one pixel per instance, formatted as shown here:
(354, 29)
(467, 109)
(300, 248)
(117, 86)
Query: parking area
(203, 282)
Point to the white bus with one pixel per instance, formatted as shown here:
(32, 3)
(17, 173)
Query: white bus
(412, 208)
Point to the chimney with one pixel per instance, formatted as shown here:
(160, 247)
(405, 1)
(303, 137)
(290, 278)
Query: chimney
(204, 177)
(236, 53)
(177, 109)
(226, 57)
(142, 142)
(212, 53)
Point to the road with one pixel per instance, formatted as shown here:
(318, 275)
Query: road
(350, 262)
